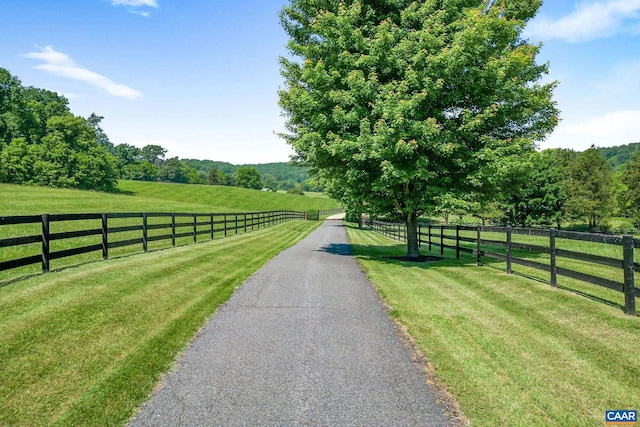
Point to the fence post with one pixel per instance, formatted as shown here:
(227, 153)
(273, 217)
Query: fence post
(457, 241)
(442, 240)
(629, 285)
(45, 242)
(211, 219)
(144, 231)
(419, 235)
(225, 225)
(245, 223)
(478, 244)
(105, 237)
(429, 237)
(236, 223)
(509, 249)
(552, 253)
(173, 229)
(195, 228)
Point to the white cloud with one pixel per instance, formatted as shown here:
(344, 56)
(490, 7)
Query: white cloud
(62, 65)
(588, 21)
(135, 3)
(615, 128)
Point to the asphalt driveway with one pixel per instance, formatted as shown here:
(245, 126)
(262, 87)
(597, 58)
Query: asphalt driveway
(305, 341)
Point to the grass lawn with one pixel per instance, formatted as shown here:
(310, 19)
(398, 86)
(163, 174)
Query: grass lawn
(86, 345)
(139, 196)
(135, 196)
(512, 350)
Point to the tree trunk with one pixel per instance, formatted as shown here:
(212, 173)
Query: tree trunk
(413, 250)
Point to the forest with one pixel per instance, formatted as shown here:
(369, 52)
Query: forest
(43, 143)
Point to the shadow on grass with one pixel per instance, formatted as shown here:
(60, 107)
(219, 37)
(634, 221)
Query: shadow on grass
(123, 192)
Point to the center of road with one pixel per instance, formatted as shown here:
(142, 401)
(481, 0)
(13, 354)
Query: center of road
(304, 341)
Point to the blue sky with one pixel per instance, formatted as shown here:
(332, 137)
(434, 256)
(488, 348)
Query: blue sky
(200, 77)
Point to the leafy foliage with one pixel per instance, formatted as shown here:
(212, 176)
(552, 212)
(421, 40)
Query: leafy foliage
(631, 178)
(397, 104)
(42, 143)
(589, 179)
(247, 177)
(541, 195)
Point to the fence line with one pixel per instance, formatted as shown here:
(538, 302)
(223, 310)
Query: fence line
(173, 227)
(436, 236)
(330, 211)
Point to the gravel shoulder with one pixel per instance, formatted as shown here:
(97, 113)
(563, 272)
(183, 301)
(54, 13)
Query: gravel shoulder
(305, 341)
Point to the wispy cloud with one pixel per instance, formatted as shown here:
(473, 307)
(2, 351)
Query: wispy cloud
(133, 5)
(589, 21)
(62, 65)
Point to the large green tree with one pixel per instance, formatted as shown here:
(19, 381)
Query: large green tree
(540, 197)
(398, 103)
(248, 178)
(589, 179)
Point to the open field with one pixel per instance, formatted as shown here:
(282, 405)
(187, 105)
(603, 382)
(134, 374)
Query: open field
(512, 350)
(136, 196)
(86, 345)
(139, 196)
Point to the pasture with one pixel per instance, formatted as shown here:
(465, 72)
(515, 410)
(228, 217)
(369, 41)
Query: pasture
(511, 349)
(140, 196)
(86, 345)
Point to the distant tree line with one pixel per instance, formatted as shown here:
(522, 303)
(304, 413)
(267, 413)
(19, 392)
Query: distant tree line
(275, 176)
(43, 143)
(554, 186)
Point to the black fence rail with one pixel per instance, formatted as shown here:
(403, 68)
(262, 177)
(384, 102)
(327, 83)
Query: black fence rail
(498, 243)
(330, 211)
(130, 229)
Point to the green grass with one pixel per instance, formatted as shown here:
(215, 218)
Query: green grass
(139, 196)
(135, 196)
(594, 291)
(512, 351)
(86, 345)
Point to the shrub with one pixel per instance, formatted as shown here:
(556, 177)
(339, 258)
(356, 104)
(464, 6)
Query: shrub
(313, 215)
(296, 190)
(352, 216)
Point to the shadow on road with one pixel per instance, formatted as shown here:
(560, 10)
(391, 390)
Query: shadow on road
(337, 249)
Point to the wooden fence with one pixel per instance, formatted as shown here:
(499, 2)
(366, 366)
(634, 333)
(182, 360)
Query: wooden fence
(472, 242)
(330, 211)
(172, 225)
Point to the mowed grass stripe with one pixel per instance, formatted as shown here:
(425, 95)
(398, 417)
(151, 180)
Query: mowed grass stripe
(513, 351)
(85, 346)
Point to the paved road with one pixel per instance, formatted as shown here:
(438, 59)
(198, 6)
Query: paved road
(304, 342)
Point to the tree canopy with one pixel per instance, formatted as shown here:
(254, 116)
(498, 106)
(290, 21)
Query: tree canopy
(43, 143)
(589, 181)
(248, 178)
(397, 104)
